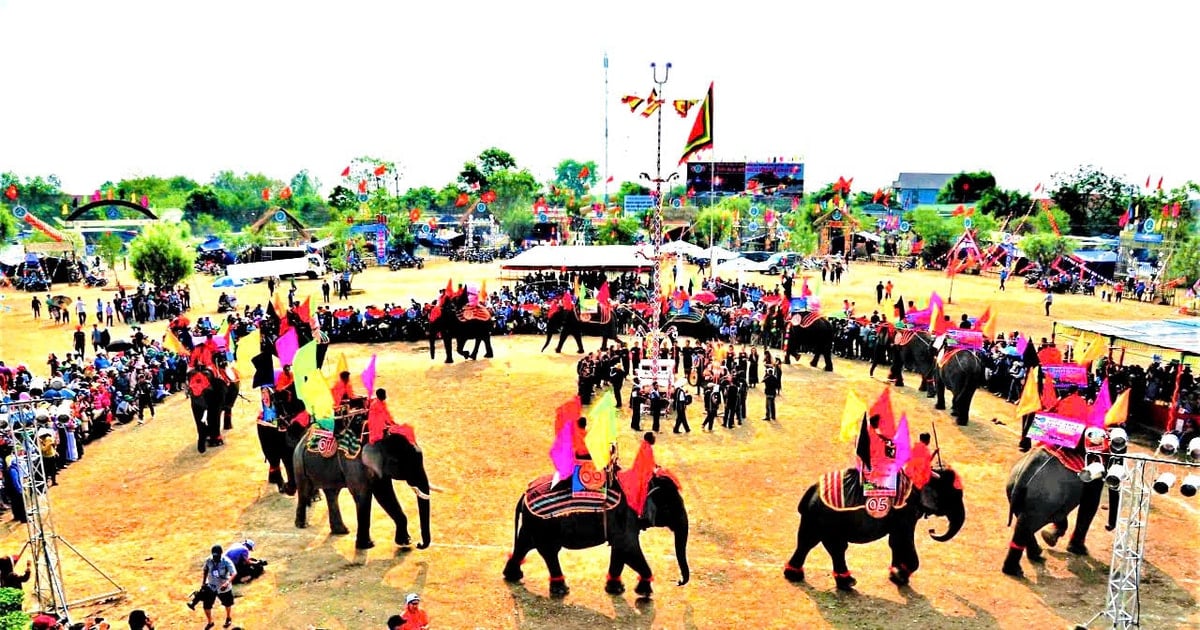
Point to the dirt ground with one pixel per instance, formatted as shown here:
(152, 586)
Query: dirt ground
(145, 506)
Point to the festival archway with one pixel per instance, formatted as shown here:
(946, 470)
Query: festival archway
(103, 203)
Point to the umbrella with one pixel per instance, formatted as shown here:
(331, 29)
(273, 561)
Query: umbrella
(61, 301)
(225, 282)
(119, 345)
(705, 297)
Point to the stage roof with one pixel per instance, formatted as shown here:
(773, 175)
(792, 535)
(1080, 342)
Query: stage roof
(1178, 335)
(578, 257)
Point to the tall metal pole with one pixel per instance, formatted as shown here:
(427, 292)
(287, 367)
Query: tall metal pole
(606, 173)
(656, 225)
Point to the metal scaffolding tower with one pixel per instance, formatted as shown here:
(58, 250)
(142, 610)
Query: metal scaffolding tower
(43, 542)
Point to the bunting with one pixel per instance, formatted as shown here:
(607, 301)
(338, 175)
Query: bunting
(701, 137)
(683, 106)
(633, 102)
(652, 104)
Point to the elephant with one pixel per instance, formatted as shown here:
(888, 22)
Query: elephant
(1042, 491)
(366, 476)
(206, 393)
(808, 331)
(232, 392)
(695, 325)
(960, 371)
(619, 526)
(450, 320)
(279, 436)
(606, 326)
(837, 528)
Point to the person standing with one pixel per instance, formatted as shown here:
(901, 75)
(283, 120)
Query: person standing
(96, 336)
(657, 404)
(325, 290)
(99, 310)
(887, 290)
(81, 310)
(770, 390)
(1048, 301)
(616, 376)
(217, 583)
(37, 307)
(1003, 277)
(635, 404)
(271, 285)
(712, 403)
(80, 340)
(682, 400)
(879, 292)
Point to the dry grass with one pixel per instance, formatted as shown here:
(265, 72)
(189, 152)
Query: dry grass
(145, 506)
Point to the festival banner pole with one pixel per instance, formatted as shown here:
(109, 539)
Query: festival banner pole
(937, 445)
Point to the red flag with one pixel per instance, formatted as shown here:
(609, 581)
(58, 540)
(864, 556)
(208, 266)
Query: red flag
(1147, 181)
(286, 193)
(877, 195)
(609, 180)
(1038, 188)
(304, 311)
(567, 413)
(362, 186)
(691, 192)
(380, 170)
(11, 192)
(266, 194)
(346, 172)
(1166, 211)
(462, 200)
(414, 215)
(1049, 396)
(488, 196)
(958, 212)
(632, 101)
(795, 203)
(1160, 180)
(882, 407)
(701, 136)
(1175, 210)
(635, 482)
(584, 172)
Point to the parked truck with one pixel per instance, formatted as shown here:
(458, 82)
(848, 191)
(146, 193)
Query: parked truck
(310, 265)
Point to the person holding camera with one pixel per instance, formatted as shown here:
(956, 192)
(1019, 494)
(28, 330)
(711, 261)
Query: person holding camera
(217, 583)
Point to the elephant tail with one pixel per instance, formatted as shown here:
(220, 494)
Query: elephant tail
(1016, 503)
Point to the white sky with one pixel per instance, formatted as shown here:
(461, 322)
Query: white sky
(94, 91)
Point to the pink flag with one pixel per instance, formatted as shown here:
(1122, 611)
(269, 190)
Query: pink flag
(562, 453)
(368, 377)
(934, 298)
(1100, 407)
(145, 201)
(96, 196)
(903, 442)
(1022, 344)
(286, 347)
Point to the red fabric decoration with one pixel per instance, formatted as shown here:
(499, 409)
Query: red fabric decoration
(488, 196)
(266, 194)
(461, 200)
(635, 482)
(362, 186)
(286, 193)
(584, 172)
(11, 192)
(346, 172)
(380, 170)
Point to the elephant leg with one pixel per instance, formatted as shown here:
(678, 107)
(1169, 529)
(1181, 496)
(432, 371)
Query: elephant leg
(904, 557)
(201, 427)
(578, 340)
(267, 442)
(462, 347)
(1022, 539)
(337, 526)
(385, 494)
(637, 561)
(487, 346)
(549, 336)
(806, 538)
(448, 343)
(558, 582)
(1033, 551)
(816, 357)
(841, 572)
(302, 506)
(289, 470)
(962, 400)
(612, 581)
(562, 338)
(939, 388)
(362, 511)
(1089, 502)
(523, 544)
(828, 360)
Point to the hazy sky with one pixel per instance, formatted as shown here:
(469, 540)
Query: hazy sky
(104, 90)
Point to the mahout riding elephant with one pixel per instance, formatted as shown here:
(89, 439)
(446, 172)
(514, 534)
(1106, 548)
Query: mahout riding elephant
(452, 318)
(619, 526)
(367, 476)
(571, 322)
(279, 431)
(836, 528)
(206, 393)
(232, 392)
(807, 331)
(1042, 491)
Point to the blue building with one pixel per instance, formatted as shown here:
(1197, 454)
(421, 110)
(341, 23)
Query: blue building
(919, 189)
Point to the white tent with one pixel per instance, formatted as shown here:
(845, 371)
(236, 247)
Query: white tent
(683, 247)
(577, 257)
(740, 264)
(718, 253)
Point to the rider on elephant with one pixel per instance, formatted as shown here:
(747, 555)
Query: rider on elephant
(343, 391)
(380, 423)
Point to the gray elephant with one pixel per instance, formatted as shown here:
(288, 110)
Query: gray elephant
(1042, 491)
(367, 476)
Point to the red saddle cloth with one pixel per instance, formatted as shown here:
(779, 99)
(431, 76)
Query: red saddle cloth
(947, 355)
(546, 501)
(842, 490)
(475, 312)
(805, 319)
(1072, 460)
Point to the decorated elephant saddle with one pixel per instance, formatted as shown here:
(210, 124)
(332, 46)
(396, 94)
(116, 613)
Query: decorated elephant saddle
(475, 312)
(346, 437)
(1071, 459)
(946, 355)
(804, 319)
(544, 499)
(843, 490)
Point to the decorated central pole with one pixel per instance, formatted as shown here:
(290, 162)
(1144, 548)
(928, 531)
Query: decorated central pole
(656, 231)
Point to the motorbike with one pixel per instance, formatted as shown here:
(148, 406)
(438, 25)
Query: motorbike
(404, 260)
(95, 281)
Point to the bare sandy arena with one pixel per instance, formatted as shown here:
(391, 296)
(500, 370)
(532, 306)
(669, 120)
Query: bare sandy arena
(145, 506)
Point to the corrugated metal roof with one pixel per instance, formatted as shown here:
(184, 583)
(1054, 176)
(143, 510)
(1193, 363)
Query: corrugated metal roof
(922, 181)
(1180, 335)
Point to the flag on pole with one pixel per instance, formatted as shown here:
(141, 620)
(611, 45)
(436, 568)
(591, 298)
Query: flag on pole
(701, 137)
(863, 447)
(1119, 412)
(1030, 402)
(903, 442)
(311, 386)
(286, 347)
(341, 365)
(1099, 411)
(562, 453)
(346, 172)
(635, 482)
(882, 407)
(368, 377)
(584, 172)
(380, 170)
(248, 347)
(1097, 349)
(602, 430)
(567, 413)
(172, 343)
(852, 415)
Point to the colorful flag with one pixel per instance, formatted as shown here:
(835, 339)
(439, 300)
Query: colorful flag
(266, 194)
(1029, 402)
(882, 407)
(1119, 412)
(562, 453)
(1126, 216)
(461, 200)
(635, 482)
(852, 415)
(172, 343)
(989, 327)
(567, 414)
(286, 347)
(602, 430)
(286, 193)
(264, 370)
(903, 442)
(311, 386)
(863, 447)
(248, 347)
(1100, 408)
(1147, 181)
(11, 192)
(683, 106)
(701, 137)
(488, 196)
(380, 170)
(1049, 395)
(346, 172)
(362, 186)
(652, 104)
(1160, 182)
(584, 172)
(609, 180)
(304, 311)
(1097, 349)
(368, 377)
(633, 102)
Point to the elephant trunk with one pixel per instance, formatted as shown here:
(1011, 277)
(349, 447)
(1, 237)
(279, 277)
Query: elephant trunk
(681, 538)
(957, 517)
(423, 512)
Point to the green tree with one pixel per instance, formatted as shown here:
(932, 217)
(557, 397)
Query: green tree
(800, 238)
(575, 176)
(517, 225)
(161, 192)
(8, 227)
(631, 188)
(494, 160)
(713, 225)
(966, 187)
(936, 231)
(304, 185)
(201, 203)
(109, 248)
(206, 225)
(618, 231)
(1044, 248)
(1092, 198)
(162, 255)
(342, 199)
(12, 617)
(421, 198)
(1039, 222)
(1185, 260)
(1000, 203)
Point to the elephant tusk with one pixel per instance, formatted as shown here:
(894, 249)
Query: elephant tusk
(433, 488)
(421, 495)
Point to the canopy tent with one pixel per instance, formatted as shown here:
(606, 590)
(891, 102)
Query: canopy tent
(868, 236)
(580, 257)
(717, 253)
(740, 264)
(683, 247)
(12, 256)
(1173, 338)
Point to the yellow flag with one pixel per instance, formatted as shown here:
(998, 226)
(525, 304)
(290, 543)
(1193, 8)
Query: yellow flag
(341, 365)
(172, 343)
(1095, 350)
(989, 327)
(602, 429)
(483, 291)
(311, 385)
(248, 347)
(852, 416)
(1119, 412)
(1030, 401)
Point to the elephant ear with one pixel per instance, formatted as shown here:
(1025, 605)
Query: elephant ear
(666, 474)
